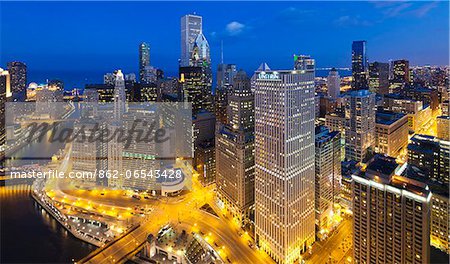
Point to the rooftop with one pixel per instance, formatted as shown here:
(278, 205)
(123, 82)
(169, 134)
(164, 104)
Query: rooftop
(388, 117)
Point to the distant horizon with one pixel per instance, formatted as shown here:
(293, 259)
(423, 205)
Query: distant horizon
(86, 37)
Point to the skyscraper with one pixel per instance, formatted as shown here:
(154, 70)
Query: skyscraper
(119, 95)
(328, 174)
(235, 158)
(144, 60)
(18, 73)
(195, 86)
(379, 77)
(359, 65)
(391, 215)
(284, 161)
(191, 27)
(333, 84)
(401, 71)
(360, 124)
(225, 76)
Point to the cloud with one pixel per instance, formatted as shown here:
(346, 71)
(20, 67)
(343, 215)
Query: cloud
(423, 10)
(350, 21)
(293, 14)
(234, 28)
(403, 8)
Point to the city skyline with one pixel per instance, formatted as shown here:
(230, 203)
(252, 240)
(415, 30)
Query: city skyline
(153, 136)
(92, 54)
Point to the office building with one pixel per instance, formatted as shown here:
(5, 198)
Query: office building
(429, 157)
(443, 127)
(327, 175)
(89, 156)
(18, 75)
(144, 60)
(391, 215)
(206, 162)
(225, 76)
(191, 27)
(391, 133)
(235, 157)
(418, 112)
(426, 95)
(333, 84)
(360, 65)
(379, 77)
(401, 71)
(284, 161)
(196, 88)
(360, 124)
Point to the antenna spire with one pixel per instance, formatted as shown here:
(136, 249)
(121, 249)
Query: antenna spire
(221, 51)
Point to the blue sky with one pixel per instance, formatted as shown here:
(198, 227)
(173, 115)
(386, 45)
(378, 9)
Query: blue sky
(83, 37)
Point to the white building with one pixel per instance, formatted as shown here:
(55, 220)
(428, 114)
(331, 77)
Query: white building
(284, 161)
(191, 27)
(333, 84)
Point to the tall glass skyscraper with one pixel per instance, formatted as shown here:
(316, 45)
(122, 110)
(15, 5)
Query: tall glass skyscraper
(284, 161)
(360, 65)
(144, 60)
(191, 27)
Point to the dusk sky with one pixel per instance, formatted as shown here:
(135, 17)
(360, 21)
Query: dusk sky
(96, 37)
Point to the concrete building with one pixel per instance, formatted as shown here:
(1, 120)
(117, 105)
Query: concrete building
(284, 158)
(327, 175)
(360, 124)
(429, 157)
(391, 133)
(333, 84)
(235, 157)
(391, 215)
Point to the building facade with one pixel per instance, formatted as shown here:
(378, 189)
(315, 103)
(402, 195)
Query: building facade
(391, 133)
(360, 124)
(360, 65)
(379, 77)
(391, 213)
(327, 174)
(235, 151)
(284, 162)
(144, 61)
(191, 27)
(429, 157)
(333, 84)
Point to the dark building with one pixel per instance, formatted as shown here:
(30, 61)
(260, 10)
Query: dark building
(225, 76)
(195, 88)
(105, 92)
(426, 95)
(429, 158)
(379, 77)
(401, 71)
(18, 72)
(144, 60)
(359, 65)
(206, 162)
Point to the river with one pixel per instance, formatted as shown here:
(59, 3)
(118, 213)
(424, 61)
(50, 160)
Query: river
(28, 233)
